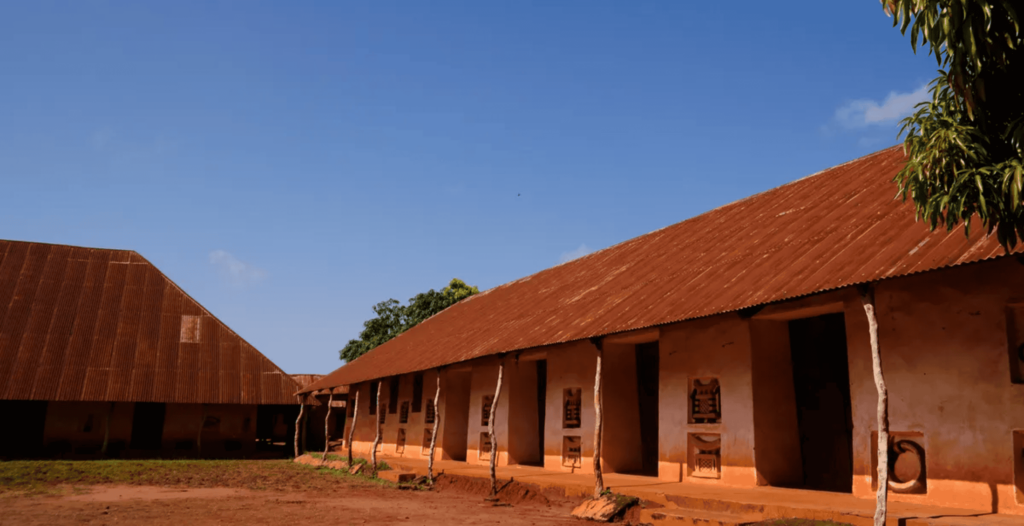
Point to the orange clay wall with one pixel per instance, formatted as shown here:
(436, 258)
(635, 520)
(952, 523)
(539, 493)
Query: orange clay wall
(945, 354)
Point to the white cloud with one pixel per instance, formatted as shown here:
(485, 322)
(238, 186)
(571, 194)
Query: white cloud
(236, 271)
(864, 112)
(575, 254)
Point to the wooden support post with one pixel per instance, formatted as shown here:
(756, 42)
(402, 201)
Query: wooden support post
(490, 428)
(433, 434)
(327, 420)
(352, 427)
(298, 426)
(376, 439)
(598, 422)
(106, 429)
(199, 435)
(867, 297)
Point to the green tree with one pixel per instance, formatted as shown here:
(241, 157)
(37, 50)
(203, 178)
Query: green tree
(393, 318)
(964, 146)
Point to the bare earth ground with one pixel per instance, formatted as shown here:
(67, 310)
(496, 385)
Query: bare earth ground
(248, 493)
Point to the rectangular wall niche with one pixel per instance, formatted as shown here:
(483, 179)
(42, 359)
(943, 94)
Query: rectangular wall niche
(484, 453)
(572, 399)
(428, 418)
(381, 412)
(400, 441)
(907, 463)
(403, 413)
(705, 401)
(425, 447)
(485, 409)
(704, 455)
(572, 452)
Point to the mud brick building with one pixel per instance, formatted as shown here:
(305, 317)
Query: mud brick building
(102, 355)
(736, 353)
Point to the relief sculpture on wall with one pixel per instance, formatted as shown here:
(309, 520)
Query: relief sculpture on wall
(705, 456)
(485, 409)
(572, 452)
(705, 401)
(428, 418)
(403, 413)
(572, 403)
(400, 442)
(906, 466)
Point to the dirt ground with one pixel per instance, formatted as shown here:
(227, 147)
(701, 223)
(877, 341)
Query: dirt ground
(259, 493)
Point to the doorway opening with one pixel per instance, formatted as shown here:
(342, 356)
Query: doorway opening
(821, 382)
(147, 426)
(542, 400)
(456, 415)
(24, 440)
(647, 371)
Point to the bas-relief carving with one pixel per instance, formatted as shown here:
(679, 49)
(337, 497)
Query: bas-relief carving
(403, 413)
(484, 452)
(429, 416)
(705, 401)
(572, 451)
(572, 401)
(907, 462)
(705, 455)
(425, 446)
(400, 441)
(485, 409)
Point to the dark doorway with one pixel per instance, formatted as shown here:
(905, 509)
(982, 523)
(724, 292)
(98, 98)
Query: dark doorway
(647, 370)
(147, 426)
(23, 436)
(821, 379)
(542, 396)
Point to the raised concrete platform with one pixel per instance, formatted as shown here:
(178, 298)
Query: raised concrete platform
(685, 503)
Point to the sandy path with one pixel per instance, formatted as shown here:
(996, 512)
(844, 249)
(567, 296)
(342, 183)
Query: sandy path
(352, 505)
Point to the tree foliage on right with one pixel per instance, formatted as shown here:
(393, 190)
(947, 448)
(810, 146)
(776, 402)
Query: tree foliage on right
(393, 318)
(964, 146)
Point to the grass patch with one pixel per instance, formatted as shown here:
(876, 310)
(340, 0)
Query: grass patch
(49, 476)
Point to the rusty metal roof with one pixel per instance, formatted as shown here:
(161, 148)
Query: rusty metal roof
(106, 325)
(834, 229)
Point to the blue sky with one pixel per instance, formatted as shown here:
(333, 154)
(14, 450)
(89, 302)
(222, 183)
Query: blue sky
(290, 164)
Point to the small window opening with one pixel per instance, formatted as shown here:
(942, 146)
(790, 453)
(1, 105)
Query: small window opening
(190, 326)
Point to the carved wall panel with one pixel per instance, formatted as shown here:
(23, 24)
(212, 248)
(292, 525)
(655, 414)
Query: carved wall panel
(429, 416)
(907, 462)
(572, 452)
(485, 447)
(381, 413)
(705, 455)
(403, 413)
(572, 402)
(400, 441)
(705, 401)
(485, 409)
(425, 447)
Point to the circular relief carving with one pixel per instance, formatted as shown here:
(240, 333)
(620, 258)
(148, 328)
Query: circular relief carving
(906, 466)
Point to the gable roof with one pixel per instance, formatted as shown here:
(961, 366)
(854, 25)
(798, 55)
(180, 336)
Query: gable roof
(89, 324)
(834, 229)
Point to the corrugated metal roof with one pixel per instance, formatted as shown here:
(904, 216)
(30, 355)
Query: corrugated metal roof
(106, 325)
(834, 229)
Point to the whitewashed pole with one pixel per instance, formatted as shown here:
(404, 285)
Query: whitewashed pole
(298, 425)
(490, 428)
(352, 427)
(376, 439)
(867, 297)
(433, 434)
(327, 420)
(598, 423)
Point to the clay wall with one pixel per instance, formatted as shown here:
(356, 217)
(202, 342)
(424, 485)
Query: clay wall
(76, 430)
